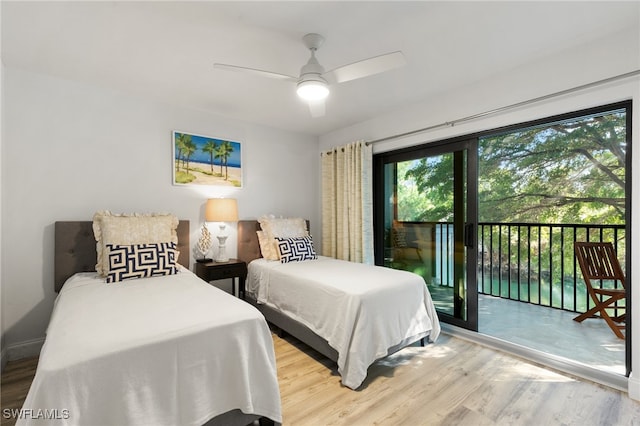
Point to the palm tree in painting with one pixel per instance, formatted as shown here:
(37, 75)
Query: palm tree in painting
(188, 149)
(225, 152)
(185, 147)
(180, 140)
(219, 155)
(210, 148)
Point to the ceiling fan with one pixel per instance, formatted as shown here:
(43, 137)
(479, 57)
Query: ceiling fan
(313, 82)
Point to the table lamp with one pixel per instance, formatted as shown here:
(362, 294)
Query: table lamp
(221, 210)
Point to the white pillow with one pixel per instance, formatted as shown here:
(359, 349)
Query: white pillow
(273, 228)
(127, 229)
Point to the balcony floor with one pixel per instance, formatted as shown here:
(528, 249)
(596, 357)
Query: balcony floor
(552, 331)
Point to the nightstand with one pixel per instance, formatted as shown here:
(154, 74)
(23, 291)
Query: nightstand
(233, 268)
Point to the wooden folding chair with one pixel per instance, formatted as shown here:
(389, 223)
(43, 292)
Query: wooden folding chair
(598, 262)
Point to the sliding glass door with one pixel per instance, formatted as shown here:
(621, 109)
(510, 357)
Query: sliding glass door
(489, 221)
(426, 222)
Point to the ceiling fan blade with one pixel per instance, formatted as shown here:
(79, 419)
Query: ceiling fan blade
(368, 67)
(254, 71)
(317, 108)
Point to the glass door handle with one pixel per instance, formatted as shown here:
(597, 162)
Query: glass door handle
(468, 235)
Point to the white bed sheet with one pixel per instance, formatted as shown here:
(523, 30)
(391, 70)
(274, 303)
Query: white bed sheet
(360, 310)
(169, 350)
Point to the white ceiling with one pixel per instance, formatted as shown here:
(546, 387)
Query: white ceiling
(166, 50)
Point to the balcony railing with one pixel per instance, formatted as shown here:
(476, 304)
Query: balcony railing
(527, 262)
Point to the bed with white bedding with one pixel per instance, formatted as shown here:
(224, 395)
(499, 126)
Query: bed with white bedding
(362, 312)
(161, 350)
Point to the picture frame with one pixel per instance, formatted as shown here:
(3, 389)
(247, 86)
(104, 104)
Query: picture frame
(206, 160)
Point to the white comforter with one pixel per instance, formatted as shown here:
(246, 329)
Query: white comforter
(360, 310)
(170, 350)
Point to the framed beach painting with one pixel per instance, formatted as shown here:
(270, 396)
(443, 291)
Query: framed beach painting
(204, 160)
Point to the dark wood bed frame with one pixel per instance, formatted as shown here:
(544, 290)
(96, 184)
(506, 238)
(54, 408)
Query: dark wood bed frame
(248, 250)
(75, 251)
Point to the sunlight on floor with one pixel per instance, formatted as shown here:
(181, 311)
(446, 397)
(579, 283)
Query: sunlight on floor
(530, 372)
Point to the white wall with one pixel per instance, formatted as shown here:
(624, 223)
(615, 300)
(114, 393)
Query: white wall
(610, 57)
(70, 149)
(596, 61)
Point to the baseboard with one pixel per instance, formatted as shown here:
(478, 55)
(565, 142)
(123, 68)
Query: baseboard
(27, 349)
(561, 364)
(634, 387)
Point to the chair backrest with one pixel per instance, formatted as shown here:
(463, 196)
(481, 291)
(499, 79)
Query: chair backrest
(598, 261)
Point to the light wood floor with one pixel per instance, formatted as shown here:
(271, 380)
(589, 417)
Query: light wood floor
(454, 382)
(16, 379)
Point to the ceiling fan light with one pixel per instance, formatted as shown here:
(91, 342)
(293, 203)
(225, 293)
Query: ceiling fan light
(313, 90)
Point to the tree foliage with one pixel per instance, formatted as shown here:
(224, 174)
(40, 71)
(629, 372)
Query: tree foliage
(210, 148)
(186, 148)
(566, 172)
(223, 151)
(425, 189)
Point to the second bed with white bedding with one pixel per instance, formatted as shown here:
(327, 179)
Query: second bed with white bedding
(360, 310)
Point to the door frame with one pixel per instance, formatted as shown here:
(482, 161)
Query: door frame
(467, 234)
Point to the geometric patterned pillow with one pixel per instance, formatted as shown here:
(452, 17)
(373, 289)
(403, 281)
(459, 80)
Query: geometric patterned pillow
(141, 260)
(296, 249)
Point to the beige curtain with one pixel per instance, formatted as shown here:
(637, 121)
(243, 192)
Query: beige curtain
(347, 203)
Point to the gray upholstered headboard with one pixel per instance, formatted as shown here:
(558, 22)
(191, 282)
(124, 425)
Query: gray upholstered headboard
(75, 249)
(248, 245)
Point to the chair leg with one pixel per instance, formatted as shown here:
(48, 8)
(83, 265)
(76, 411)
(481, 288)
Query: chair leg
(610, 321)
(590, 313)
(612, 325)
(601, 307)
(620, 318)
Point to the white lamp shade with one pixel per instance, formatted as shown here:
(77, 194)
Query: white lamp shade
(221, 210)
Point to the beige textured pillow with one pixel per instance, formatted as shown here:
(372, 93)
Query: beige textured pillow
(126, 229)
(278, 228)
(268, 246)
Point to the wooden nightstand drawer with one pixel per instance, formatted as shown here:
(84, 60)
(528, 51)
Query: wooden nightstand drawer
(233, 269)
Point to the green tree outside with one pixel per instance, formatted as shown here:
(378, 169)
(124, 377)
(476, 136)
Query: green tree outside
(567, 172)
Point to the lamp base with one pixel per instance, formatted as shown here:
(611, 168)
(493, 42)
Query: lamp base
(222, 249)
(204, 260)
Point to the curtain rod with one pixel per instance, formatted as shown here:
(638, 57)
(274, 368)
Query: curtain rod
(508, 107)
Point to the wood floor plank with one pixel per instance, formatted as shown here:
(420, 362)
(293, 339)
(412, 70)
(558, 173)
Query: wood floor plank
(453, 382)
(14, 386)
